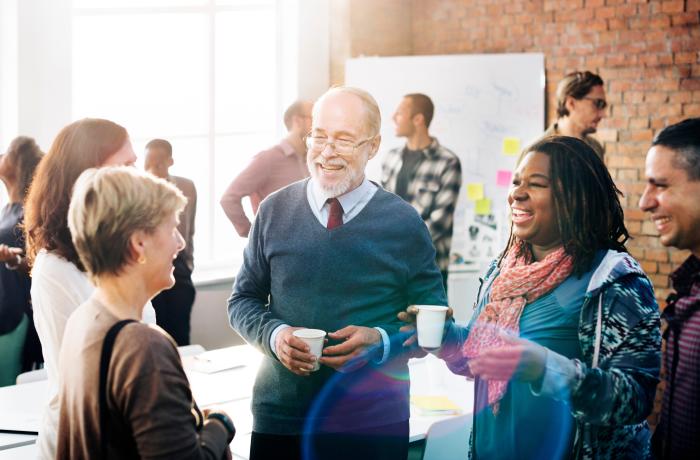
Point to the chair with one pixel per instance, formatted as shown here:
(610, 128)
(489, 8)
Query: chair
(190, 350)
(448, 439)
(32, 376)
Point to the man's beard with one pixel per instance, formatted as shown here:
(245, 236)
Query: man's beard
(339, 188)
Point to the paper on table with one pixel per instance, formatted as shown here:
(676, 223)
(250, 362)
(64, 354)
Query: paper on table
(208, 366)
(215, 361)
(435, 405)
(20, 421)
(475, 191)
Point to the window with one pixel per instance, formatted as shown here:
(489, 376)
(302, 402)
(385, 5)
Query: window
(210, 76)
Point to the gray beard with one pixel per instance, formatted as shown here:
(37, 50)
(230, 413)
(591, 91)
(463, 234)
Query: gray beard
(338, 189)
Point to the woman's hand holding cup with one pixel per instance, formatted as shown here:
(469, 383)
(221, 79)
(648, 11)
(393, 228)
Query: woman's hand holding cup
(430, 321)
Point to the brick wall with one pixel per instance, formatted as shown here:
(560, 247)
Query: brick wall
(647, 51)
(370, 28)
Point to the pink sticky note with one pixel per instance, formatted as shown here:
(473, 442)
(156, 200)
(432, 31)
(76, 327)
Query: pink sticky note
(504, 177)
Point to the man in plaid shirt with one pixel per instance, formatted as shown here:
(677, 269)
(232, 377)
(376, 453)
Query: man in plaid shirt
(424, 173)
(671, 199)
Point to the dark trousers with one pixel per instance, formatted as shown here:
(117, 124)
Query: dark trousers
(444, 279)
(388, 442)
(173, 308)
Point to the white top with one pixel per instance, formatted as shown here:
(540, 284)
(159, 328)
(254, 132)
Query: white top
(58, 288)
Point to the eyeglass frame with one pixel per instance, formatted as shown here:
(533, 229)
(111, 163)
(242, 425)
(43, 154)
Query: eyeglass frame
(332, 144)
(599, 103)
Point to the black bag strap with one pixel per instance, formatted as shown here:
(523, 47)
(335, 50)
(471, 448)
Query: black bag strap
(105, 358)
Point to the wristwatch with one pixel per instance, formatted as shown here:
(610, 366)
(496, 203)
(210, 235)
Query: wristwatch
(227, 422)
(18, 261)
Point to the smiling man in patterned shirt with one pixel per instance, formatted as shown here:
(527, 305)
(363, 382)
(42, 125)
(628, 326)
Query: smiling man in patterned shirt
(424, 173)
(671, 199)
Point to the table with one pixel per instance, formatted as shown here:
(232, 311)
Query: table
(14, 440)
(231, 389)
(21, 452)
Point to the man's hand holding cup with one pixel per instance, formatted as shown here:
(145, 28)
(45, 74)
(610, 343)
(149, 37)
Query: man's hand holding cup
(298, 349)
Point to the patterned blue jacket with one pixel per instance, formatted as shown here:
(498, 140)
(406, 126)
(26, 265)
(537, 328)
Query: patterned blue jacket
(610, 400)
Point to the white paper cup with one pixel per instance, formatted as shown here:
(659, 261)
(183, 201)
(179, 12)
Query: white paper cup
(314, 339)
(430, 323)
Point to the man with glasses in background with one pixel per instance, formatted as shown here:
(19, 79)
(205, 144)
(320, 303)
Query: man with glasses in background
(340, 254)
(424, 173)
(581, 106)
(271, 169)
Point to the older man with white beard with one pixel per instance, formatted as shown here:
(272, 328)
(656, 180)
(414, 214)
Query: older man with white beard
(335, 252)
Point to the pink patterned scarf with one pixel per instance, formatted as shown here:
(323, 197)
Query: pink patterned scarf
(518, 283)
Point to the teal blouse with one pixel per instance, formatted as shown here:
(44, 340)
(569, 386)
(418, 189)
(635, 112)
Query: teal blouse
(551, 321)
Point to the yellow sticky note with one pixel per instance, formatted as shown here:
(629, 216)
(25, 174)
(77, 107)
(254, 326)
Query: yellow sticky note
(483, 207)
(511, 146)
(475, 191)
(435, 405)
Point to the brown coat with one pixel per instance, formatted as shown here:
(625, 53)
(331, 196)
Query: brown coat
(152, 411)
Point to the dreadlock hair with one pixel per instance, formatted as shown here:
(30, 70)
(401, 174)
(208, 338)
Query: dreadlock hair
(586, 201)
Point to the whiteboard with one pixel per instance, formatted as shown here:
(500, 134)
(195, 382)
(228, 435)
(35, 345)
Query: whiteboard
(483, 104)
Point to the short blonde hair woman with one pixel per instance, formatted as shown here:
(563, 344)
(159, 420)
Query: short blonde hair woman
(125, 394)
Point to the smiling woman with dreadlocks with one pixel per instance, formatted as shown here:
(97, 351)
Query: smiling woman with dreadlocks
(564, 343)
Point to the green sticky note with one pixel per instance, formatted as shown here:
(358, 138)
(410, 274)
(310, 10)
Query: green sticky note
(511, 146)
(483, 207)
(475, 191)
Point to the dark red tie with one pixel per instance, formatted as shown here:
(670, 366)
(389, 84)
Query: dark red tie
(335, 214)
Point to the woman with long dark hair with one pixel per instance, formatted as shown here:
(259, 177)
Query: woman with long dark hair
(564, 343)
(59, 281)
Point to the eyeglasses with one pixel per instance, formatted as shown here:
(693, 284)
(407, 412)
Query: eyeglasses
(339, 146)
(599, 104)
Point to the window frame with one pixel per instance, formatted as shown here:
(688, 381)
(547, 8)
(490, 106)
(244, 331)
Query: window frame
(207, 267)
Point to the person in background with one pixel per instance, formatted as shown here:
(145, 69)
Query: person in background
(424, 173)
(581, 106)
(59, 281)
(672, 199)
(271, 169)
(338, 253)
(564, 343)
(174, 306)
(123, 224)
(19, 345)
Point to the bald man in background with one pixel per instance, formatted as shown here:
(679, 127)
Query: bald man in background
(174, 306)
(271, 169)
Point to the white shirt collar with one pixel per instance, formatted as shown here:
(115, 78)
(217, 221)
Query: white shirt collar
(347, 200)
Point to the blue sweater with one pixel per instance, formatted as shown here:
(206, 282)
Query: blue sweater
(295, 271)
